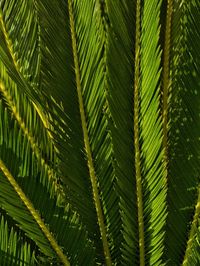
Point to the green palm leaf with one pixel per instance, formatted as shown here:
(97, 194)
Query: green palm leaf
(83, 132)
(99, 132)
(146, 180)
(24, 213)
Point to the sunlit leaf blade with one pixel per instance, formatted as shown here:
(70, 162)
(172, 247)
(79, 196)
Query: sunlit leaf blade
(153, 169)
(120, 66)
(149, 128)
(14, 249)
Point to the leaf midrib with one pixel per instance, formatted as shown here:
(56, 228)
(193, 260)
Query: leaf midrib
(136, 136)
(166, 77)
(93, 178)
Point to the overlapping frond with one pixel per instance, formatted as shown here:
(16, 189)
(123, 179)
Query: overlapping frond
(81, 128)
(133, 96)
(59, 82)
(152, 168)
(29, 142)
(99, 132)
(184, 129)
(19, 191)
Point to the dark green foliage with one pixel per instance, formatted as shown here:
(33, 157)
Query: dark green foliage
(99, 132)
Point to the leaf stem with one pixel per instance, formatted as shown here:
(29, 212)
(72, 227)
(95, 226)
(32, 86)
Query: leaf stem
(136, 135)
(93, 177)
(35, 214)
(166, 78)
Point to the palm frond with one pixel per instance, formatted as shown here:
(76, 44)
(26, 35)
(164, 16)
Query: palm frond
(146, 179)
(29, 121)
(119, 94)
(86, 126)
(99, 132)
(183, 131)
(17, 146)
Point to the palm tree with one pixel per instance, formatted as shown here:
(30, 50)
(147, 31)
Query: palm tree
(99, 132)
